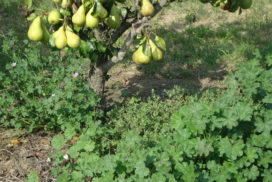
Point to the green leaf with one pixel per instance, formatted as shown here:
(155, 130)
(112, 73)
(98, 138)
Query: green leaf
(76, 28)
(146, 49)
(267, 174)
(94, 57)
(69, 132)
(265, 159)
(218, 173)
(188, 171)
(77, 176)
(268, 99)
(141, 170)
(176, 121)
(251, 153)
(101, 47)
(89, 147)
(31, 17)
(160, 42)
(251, 173)
(163, 165)
(87, 47)
(73, 152)
(28, 3)
(158, 177)
(232, 151)
(57, 142)
(63, 12)
(123, 12)
(33, 177)
(204, 148)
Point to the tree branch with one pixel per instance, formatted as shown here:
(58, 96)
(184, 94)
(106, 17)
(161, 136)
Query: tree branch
(136, 28)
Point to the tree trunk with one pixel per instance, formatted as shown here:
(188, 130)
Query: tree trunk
(97, 80)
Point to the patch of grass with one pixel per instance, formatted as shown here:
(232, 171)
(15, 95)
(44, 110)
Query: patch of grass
(199, 35)
(12, 18)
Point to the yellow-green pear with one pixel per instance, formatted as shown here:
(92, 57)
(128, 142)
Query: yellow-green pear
(66, 3)
(60, 38)
(35, 31)
(79, 17)
(147, 8)
(54, 17)
(55, 34)
(139, 57)
(73, 39)
(156, 53)
(46, 34)
(91, 21)
(114, 19)
(101, 12)
(57, 1)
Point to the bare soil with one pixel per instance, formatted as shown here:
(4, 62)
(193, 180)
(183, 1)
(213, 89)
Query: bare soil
(133, 81)
(32, 153)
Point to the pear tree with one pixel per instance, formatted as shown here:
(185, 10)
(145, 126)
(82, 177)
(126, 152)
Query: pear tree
(93, 26)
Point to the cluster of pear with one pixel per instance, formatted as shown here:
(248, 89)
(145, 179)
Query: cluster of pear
(65, 35)
(155, 54)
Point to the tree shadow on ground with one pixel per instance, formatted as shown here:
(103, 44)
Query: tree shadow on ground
(198, 58)
(11, 19)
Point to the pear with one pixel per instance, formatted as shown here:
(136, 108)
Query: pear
(147, 8)
(54, 17)
(66, 3)
(73, 39)
(91, 21)
(60, 38)
(46, 34)
(139, 57)
(114, 19)
(245, 4)
(56, 1)
(156, 53)
(35, 31)
(55, 34)
(79, 17)
(101, 12)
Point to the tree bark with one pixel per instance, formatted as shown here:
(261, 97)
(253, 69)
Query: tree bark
(97, 80)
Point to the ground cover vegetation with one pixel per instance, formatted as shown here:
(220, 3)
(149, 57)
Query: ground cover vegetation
(213, 135)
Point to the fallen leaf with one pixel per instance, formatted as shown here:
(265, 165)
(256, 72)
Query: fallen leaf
(14, 142)
(75, 139)
(38, 154)
(45, 142)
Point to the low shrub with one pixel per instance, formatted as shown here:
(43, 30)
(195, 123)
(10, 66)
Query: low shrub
(42, 89)
(224, 137)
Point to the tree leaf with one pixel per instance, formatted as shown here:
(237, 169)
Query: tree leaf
(31, 17)
(28, 3)
(101, 47)
(123, 12)
(146, 48)
(160, 42)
